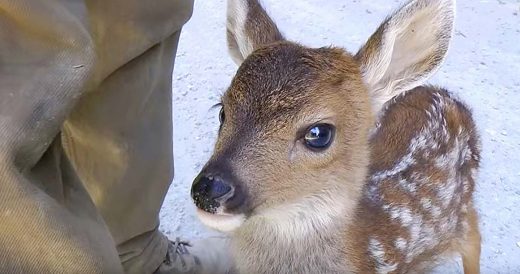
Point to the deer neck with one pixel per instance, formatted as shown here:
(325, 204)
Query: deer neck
(308, 233)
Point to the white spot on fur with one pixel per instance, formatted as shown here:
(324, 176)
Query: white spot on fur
(422, 235)
(450, 159)
(450, 162)
(401, 244)
(475, 156)
(410, 187)
(402, 165)
(474, 173)
(437, 123)
(465, 185)
(421, 145)
(436, 211)
(428, 206)
(446, 192)
(404, 214)
(464, 208)
(375, 248)
(421, 141)
(426, 203)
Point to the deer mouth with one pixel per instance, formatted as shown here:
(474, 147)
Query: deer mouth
(222, 201)
(227, 214)
(224, 222)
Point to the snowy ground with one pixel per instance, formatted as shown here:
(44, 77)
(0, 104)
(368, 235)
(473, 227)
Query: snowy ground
(482, 68)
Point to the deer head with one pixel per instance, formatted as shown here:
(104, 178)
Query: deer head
(295, 120)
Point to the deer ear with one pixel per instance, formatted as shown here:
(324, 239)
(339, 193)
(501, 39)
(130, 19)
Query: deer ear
(248, 28)
(406, 49)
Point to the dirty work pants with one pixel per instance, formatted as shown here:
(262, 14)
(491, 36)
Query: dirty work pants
(85, 133)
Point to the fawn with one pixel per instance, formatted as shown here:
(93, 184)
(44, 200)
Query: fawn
(328, 162)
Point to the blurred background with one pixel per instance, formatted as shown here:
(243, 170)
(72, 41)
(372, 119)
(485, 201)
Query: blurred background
(482, 68)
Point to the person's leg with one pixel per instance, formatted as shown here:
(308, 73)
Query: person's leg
(48, 221)
(52, 54)
(119, 137)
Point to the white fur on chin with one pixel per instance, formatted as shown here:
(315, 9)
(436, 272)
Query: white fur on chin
(221, 222)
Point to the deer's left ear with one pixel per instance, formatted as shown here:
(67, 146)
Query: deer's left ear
(406, 49)
(248, 28)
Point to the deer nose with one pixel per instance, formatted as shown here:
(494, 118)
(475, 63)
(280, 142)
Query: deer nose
(211, 187)
(209, 191)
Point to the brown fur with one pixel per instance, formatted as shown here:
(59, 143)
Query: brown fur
(403, 118)
(392, 194)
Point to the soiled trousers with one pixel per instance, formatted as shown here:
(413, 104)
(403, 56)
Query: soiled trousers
(85, 133)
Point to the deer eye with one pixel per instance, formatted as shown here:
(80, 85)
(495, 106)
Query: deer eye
(221, 116)
(319, 137)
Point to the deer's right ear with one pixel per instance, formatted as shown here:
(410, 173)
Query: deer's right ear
(248, 28)
(407, 48)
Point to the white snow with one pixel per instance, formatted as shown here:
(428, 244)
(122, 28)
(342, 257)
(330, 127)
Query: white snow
(482, 68)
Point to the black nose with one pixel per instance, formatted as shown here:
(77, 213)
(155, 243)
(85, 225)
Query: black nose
(207, 190)
(211, 187)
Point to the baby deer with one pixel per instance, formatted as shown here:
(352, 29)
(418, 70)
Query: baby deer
(328, 162)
